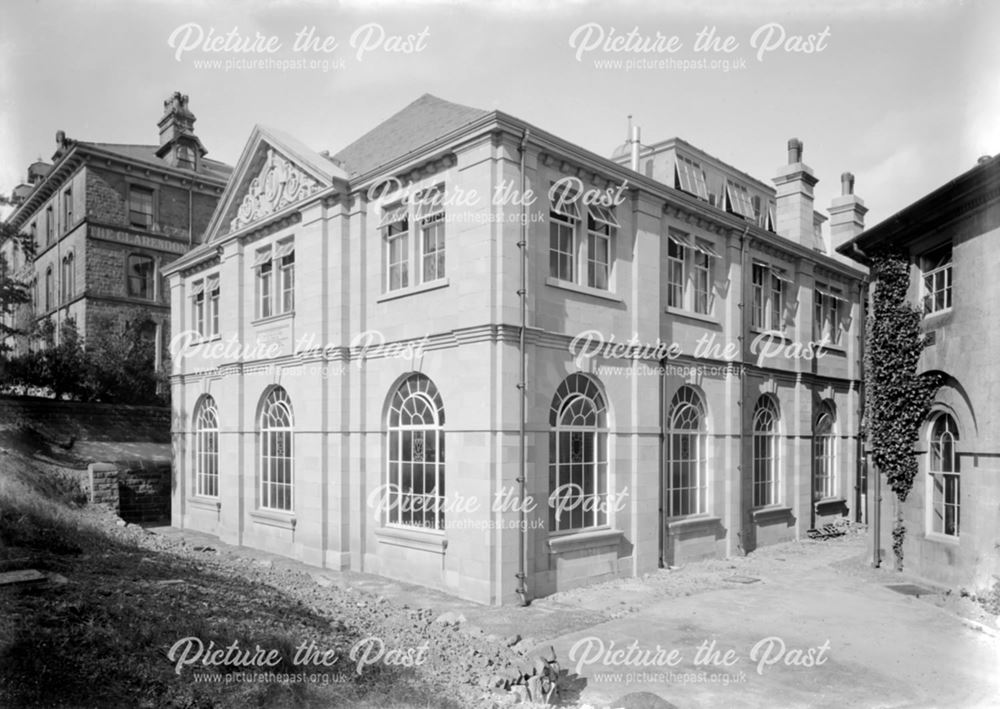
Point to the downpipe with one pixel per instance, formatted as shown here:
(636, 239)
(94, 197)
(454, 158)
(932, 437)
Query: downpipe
(522, 292)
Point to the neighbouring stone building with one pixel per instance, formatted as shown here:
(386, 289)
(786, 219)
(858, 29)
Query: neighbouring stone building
(952, 239)
(357, 404)
(106, 218)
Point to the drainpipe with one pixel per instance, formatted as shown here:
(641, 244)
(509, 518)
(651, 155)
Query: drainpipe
(191, 216)
(744, 515)
(873, 472)
(522, 292)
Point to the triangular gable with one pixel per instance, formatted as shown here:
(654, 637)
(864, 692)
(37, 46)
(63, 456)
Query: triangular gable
(274, 171)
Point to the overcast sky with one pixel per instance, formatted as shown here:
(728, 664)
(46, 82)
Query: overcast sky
(905, 95)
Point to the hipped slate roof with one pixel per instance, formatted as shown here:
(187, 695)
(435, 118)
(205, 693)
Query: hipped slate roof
(423, 121)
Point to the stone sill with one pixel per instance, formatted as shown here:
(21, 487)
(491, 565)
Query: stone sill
(693, 525)
(942, 538)
(274, 518)
(205, 503)
(770, 514)
(828, 502)
(412, 290)
(273, 318)
(585, 540)
(585, 290)
(691, 315)
(410, 538)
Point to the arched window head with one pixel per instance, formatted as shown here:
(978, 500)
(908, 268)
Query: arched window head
(686, 451)
(824, 452)
(578, 402)
(206, 451)
(943, 468)
(578, 456)
(416, 455)
(276, 452)
(766, 483)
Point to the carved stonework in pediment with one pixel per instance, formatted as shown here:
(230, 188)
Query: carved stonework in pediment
(278, 184)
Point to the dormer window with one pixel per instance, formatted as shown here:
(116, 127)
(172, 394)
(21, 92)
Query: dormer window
(185, 157)
(690, 177)
(739, 201)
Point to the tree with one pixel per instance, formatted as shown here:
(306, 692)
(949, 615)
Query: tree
(14, 294)
(122, 360)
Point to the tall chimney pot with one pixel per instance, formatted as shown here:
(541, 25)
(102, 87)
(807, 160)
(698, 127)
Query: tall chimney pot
(794, 151)
(846, 183)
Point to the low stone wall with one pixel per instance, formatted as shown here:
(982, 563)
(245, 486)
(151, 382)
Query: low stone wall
(138, 491)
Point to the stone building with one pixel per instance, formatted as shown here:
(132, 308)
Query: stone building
(950, 237)
(106, 218)
(357, 404)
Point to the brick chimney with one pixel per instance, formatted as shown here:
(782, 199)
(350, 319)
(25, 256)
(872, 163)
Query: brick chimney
(179, 146)
(847, 213)
(794, 205)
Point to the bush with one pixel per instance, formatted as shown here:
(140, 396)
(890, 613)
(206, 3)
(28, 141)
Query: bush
(116, 367)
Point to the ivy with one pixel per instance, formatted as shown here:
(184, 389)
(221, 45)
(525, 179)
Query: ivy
(898, 399)
(898, 535)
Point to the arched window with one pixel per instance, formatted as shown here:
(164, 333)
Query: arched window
(49, 289)
(578, 456)
(943, 472)
(686, 454)
(206, 448)
(824, 453)
(68, 277)
(276, 452)
(416, 454)
(765, 453)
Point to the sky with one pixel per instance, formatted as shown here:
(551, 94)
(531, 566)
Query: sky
(906, 95)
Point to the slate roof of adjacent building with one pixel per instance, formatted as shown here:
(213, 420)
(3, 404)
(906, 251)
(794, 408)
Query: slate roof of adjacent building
(422, 122)
(980, 182)
(147, 154)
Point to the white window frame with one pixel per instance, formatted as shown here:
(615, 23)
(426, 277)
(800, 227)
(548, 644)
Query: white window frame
(263, 266)
(198, 307)
(587, 226)
(577, 428)
(690, 273)
(944, 491)
(766, 453)
(212, 289)
(395, 228)
(690, 177)
(827, 315)
(206, 449)
(415, 417)
(936, 280)
(430, 220)
(768, 292)
(562, 227)
(274, 279)
(825, 481)
(276, 453)
(739, 201)
(687, 455)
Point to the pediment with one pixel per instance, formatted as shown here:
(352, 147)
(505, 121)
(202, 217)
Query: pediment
(272, 174)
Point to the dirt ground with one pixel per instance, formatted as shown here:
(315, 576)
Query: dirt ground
(823, 623)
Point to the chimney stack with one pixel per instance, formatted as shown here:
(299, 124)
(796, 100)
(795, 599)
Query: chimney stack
(847, 214)
(179, 146)
(794, 204)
